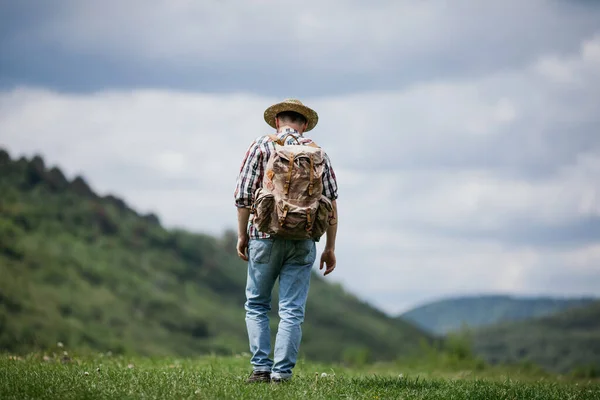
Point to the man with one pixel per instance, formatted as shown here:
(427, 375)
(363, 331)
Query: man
(270, 257)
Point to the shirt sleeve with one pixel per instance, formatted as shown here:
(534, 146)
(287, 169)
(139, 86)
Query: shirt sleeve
(330, 187)
(249, 177)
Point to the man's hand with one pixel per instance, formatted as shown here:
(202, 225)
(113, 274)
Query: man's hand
(328, 258)
(242, 247)
(242, 243)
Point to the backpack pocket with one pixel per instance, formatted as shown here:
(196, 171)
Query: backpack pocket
(291, 220)
(321, 223)
(263, 210)
(297, 222)
(283, 219)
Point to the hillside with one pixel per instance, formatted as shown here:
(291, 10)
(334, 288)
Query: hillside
(559, 342)
(450, 315)
(92, 273)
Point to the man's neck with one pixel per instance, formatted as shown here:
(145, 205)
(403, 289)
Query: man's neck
(286, 127)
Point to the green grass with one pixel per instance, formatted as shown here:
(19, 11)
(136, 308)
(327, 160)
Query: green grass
(216, 377)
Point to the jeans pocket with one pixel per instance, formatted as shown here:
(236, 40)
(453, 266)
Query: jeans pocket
(305, 252)
(260, 250)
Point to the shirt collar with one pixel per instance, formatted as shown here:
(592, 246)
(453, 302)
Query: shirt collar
(289, 131)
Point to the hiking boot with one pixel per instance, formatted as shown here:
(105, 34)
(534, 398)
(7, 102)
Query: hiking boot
(259, 376)
(280, 380)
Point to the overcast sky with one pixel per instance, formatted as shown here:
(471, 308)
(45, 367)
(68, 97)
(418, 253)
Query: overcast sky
(465, 135)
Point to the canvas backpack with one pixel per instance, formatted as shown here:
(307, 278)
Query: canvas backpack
(290, 203)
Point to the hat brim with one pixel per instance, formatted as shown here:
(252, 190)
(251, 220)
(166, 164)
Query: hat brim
(311, 115)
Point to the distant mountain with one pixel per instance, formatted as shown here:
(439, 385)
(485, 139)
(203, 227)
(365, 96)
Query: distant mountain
(91, 272)
(444, 316)
(558, 343)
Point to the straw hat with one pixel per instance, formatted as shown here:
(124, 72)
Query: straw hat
(291, 105)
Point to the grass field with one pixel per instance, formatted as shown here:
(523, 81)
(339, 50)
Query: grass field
(60, 376)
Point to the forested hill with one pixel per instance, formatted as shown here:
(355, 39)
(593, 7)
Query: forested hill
(91, 272)
(561, 342)
(444, 316)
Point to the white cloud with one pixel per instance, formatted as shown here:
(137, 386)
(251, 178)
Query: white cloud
(553, 68)
(575, 70)
(427, 206)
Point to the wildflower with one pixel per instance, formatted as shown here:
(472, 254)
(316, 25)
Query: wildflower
(60, 344)
(86, 373)
(129, 366)
(400, 376)
(324, 375)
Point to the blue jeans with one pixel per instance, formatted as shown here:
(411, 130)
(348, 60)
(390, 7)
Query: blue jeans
(291, 261)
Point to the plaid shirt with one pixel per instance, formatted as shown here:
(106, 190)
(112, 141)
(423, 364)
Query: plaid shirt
(253, 167)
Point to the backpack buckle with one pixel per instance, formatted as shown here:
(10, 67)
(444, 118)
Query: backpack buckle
(308, 222)
(282, 218)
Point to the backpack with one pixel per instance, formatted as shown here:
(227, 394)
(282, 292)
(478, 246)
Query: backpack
(290, 204)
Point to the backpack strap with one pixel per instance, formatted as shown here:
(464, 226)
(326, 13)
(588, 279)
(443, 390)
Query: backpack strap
(275, 139)
(310, 182)
(308, 222)
(281, 141)
(289, 134)
(286, 187)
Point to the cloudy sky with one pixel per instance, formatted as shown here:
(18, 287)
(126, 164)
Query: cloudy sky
(465, 135)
